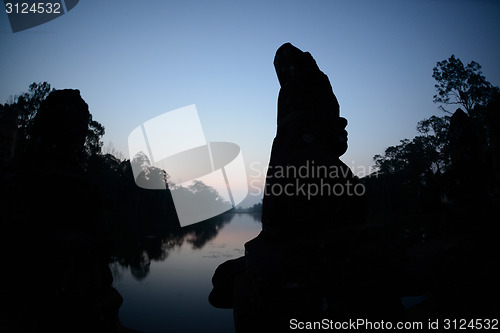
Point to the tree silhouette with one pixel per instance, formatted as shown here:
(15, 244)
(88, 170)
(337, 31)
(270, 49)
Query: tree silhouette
(394, 159)
(435, 137)
(93, 143)
(28, 105)
(439, 166)
(461, 85)
(429, 153)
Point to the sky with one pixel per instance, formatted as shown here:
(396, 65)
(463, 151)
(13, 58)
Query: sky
(135, 60)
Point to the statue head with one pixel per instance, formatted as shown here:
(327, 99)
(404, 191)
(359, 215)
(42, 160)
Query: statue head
(60, 126)
(308, 111)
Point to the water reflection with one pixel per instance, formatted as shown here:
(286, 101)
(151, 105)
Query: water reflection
(165, 278)
(137, 253)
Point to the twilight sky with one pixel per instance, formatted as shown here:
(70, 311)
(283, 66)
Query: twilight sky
(134, 60)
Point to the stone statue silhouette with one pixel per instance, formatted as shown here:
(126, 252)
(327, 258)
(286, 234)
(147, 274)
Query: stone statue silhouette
(54, 212)
(313, 258)
(306, 180)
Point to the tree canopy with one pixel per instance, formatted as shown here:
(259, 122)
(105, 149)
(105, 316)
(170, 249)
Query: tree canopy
(461, 85)
(425, 154)
(429, 152)
(451, 168)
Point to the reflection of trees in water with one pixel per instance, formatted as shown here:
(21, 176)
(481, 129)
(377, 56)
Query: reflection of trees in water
(143, 222)
(137, 253)
(140, 267)
(200, 233)
(257, 217)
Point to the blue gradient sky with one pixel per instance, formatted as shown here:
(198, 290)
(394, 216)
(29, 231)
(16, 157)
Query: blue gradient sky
(134, 60)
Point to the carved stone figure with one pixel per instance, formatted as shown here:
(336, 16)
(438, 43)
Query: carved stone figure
(307, 185)
(54, 218)
(312, 259)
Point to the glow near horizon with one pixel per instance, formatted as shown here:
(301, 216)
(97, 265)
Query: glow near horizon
(132, 62)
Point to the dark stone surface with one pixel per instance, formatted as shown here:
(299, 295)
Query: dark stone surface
(313, 258)
(54, 241)
(59, 130)
(465, 187)
(307, 184)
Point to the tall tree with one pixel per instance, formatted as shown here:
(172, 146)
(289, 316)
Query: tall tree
(93, 143)
(461, 85)
(394, 160)
(424, 155)
(435, 131)
(26, 107)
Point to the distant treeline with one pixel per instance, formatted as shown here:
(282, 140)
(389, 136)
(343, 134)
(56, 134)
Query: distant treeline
(255, 208)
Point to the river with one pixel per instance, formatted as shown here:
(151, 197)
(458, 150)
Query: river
(165, 282)
(170, 293)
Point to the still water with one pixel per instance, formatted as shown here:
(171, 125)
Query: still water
(166, 280)
(167, 288)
